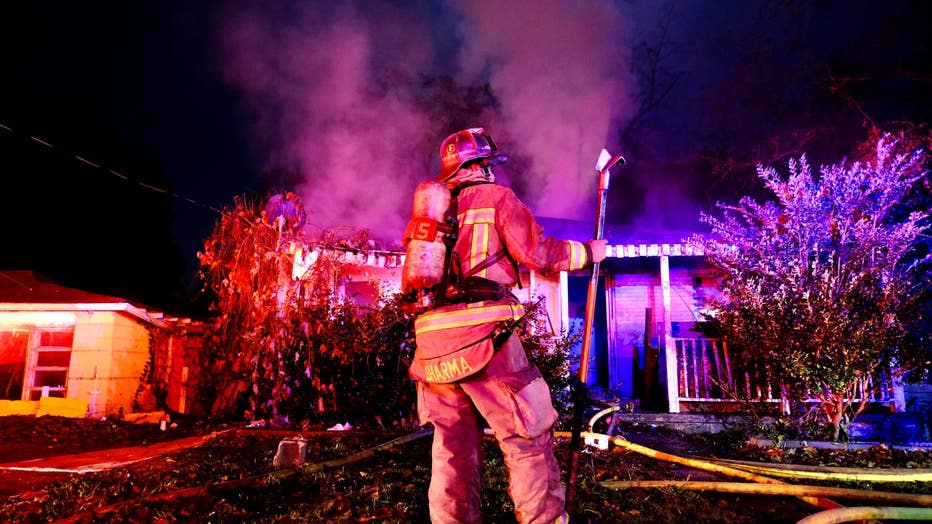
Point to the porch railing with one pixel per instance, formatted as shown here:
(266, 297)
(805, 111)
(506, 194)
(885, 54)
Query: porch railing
(706, 372)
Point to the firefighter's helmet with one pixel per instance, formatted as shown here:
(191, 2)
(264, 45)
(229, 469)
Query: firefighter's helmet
(466, 146)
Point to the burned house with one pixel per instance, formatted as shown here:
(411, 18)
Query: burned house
(650, 344)
(648, 310)
(648, 325)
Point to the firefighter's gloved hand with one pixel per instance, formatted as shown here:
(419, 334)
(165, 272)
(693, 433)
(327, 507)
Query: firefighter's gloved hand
(596, 250)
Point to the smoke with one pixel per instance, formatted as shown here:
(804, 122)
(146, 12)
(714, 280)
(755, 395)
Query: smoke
(559, 69)
(313, 76)
(335, 93)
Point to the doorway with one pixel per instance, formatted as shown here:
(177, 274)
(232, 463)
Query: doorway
(577, 294)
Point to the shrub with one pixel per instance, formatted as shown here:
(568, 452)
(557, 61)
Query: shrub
(823, 286)
(285, 349)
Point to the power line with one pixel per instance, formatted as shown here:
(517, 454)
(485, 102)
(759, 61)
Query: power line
(157, 189)
(117, 174)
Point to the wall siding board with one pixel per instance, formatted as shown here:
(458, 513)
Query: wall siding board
(117, 347)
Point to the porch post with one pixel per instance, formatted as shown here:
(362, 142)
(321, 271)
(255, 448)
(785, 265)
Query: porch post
(673, 386)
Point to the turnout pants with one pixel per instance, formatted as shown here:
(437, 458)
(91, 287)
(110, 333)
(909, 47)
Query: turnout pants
(513, 398)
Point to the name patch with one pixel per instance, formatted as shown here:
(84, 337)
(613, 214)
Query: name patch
(447, 370)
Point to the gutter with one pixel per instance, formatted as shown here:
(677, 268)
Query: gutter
(140, 313)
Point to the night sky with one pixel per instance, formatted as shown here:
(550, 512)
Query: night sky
(126, 125)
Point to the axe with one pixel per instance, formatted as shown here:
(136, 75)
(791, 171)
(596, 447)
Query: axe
(602, 166)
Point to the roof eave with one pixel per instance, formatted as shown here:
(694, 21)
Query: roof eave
(137, 312)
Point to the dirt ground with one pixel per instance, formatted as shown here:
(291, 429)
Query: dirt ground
(27, 437)
(164, 476)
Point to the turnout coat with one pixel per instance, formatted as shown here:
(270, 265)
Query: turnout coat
(455, 341)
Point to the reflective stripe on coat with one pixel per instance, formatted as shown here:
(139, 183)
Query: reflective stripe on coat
(454, 342)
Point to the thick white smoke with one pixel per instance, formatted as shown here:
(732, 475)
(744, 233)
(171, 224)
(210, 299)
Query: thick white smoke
(313, 74)
(560, 70)
(310, 74)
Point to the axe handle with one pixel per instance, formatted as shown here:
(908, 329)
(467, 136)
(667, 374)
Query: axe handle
(578, 391)
(593, 281)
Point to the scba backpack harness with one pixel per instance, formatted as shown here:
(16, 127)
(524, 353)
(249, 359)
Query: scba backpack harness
(461, 318)
(432, 275)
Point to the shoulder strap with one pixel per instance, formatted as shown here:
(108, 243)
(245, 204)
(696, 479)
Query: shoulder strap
(486, 263)
(451, 220)
(500, 254)
(450, 217)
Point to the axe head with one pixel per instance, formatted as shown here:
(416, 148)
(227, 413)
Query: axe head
(607, 161)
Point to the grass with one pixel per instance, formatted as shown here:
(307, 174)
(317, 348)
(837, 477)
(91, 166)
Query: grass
(205, 484)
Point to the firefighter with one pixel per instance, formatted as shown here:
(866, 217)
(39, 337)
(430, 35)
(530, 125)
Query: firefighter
(468, 366)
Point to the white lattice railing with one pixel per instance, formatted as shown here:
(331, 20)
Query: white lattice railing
(706, 373)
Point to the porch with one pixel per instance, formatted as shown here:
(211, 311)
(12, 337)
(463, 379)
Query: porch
(706, 374)
(650, 344)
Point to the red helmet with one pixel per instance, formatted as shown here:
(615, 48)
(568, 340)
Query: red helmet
(466, 146)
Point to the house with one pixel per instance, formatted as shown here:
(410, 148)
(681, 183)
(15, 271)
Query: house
(57, 341)
(650, 345)
(649, 295)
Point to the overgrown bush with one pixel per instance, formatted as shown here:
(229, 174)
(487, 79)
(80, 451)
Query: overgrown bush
(823, 287)
(551, 352)
(292, 351)
(289, 350)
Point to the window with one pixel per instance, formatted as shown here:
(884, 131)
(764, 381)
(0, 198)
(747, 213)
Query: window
(362, 292)
(14, 343)
(50, 360)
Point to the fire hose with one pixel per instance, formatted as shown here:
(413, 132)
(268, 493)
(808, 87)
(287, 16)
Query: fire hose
(831, 473)
(797, 471)
(795, 490)
(700, 464)
(815, 495)
(867, 512)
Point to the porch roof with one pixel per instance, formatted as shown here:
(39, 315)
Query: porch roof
(626, 241)
(652, 250)
(619, 246)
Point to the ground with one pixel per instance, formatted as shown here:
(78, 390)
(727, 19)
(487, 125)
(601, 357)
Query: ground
(219, 473)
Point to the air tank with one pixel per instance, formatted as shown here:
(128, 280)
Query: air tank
(425, 250)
